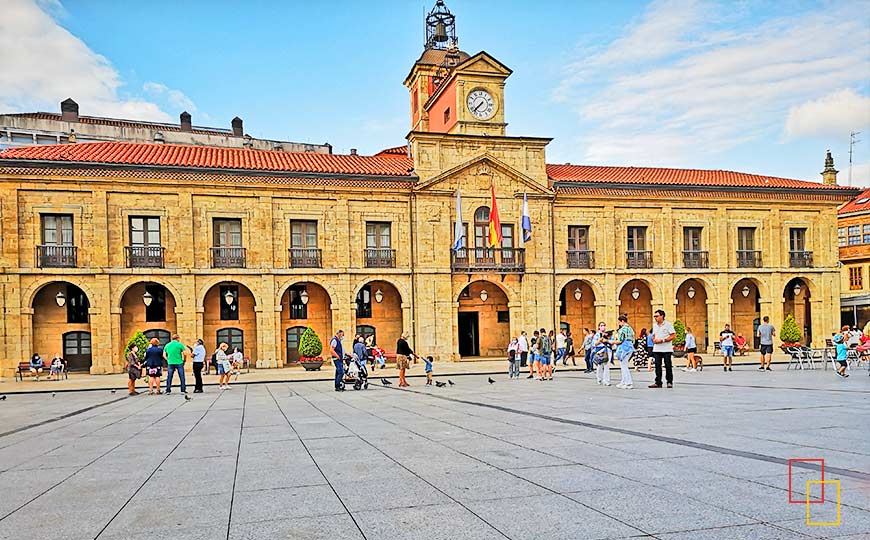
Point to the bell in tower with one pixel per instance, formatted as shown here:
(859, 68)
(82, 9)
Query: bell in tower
(440, 28)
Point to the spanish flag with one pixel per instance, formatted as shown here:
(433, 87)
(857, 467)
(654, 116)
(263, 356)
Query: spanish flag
(494, 238)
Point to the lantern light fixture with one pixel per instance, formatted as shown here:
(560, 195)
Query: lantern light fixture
(635, 293)
(147, 298)
(303, 297)
(483, 295)
(379, 296)
(691, 292)
(745, 291)
(797, 289)
(578, 294)
(229, 297)
(60, 298)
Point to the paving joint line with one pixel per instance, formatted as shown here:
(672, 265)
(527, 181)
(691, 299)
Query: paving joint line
(238, 455)
(61, 417)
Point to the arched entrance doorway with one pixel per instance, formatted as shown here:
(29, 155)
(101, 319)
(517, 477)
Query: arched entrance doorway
(61, 325)
(635, 300)
(692, 310)
(745, 310)
(379, 314)
(796, 301)
(148, 307)
(304, 304)
(229, 317)
(577, 308)
(484, 320)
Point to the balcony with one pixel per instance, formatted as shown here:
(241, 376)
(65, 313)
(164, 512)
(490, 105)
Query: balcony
(380, 258)
(499, 260)
(800, 259)
(638, 259)
(305, 258)
(747, 258)
(227, 257)
(581, 258)
(56, 256)
(696, 259)
(145, 256)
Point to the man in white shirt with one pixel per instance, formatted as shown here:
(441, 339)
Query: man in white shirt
(523, 348)
(561, 350)
(663, 347)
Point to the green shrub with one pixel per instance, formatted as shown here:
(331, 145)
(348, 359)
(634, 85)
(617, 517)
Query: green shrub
(138, 340)
(680, 330)
(790, 333)
(310, 345)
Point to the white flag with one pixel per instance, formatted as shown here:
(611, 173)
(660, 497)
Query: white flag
(527, 220)
(458, 228)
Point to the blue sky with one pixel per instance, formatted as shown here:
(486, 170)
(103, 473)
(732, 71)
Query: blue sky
(759, 87)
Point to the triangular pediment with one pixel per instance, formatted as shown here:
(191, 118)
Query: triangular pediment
(478, 172)
(483, 63)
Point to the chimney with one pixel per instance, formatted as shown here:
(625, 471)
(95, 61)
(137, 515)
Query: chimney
(238, 130)
(829, 175)
(69, 110)
(353, 151)
(185, 122)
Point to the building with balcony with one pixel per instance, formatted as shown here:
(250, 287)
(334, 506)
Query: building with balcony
(853, 242)
(251, 246)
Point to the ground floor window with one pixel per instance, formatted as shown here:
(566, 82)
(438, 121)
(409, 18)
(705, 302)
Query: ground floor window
(234, 337)
(162, 336)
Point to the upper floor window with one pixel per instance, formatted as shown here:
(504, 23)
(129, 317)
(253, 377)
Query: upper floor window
(144, 231)
(57, 230)
(866, 236)
(854, 232)
(298, 309)
(303, 234)
(228, 233)
(841, 236)
(481, 226)
(692, 238)
(229, 300)
(377, 235)
(578, 238)
(507, 236)
(446, 115)
(637, 239)
(746, 238)
(856, 278)
(797, 239)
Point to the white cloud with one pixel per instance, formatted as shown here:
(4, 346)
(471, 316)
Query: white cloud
(835, 114)
(176, 98)
(42, 64)
(697, 78)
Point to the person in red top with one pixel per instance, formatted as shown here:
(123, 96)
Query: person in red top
(740, 344)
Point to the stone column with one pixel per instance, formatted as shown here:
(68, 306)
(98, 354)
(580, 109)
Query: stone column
(266, 352)
(713, 306)
(119, 342)
(102, 351)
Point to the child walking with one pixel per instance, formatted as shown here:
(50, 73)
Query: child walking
(842, 354)
(428, 360)
(513, 359)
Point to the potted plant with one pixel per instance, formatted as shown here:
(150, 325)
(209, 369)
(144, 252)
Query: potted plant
(310, 348)
(790, 334)
(680, 339)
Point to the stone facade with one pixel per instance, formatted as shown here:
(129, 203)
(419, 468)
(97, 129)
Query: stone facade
(854, 246)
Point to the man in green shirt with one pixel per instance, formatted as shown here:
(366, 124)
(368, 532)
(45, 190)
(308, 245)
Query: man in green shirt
(175, 353)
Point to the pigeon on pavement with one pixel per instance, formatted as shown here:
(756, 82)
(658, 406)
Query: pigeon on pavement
(385, 382)
(440, 384)
(52, 394)
(113, 390)
(451, 383)
(2, 398)
(187, 398)
(490, 380)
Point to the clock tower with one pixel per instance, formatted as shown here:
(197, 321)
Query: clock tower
(452, 91)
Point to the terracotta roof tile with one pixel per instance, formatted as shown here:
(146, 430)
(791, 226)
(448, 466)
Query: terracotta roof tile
(674, 177)
(212, 157)
(861, 203)
(118, 122)
(400, 151)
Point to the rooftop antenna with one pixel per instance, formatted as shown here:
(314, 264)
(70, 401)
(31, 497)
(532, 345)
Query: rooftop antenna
(853, 138)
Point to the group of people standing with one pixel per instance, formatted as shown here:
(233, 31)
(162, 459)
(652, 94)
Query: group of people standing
(541, 353)
(175, 355)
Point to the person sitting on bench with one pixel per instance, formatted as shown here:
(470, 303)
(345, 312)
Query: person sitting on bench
(740, 345)
(57, 365)
(36, 365)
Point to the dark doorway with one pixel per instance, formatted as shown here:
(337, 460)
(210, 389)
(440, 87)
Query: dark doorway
(469, 344)
(294, 336)
(77, 350)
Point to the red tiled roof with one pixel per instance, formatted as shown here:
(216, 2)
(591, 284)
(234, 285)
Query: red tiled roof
(212, 157)
(117, 122)
(400, 151)
(660, 177)
(861, 203)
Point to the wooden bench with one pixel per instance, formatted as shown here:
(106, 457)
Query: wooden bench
(24, 369)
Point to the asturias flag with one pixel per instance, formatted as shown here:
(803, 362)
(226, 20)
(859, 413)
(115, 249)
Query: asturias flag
(494, 238)
(458, 228)
(527, 221)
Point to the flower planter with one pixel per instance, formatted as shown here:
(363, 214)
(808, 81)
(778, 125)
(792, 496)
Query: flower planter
(679, 353)
(311, 364)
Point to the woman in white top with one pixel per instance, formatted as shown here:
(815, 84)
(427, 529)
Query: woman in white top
(691, 349)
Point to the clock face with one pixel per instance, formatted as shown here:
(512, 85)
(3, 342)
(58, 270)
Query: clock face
(480, 104)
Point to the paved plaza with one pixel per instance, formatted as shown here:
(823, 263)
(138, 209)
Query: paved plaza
(517, 459)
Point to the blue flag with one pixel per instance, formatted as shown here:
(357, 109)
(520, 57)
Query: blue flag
(527, 221)
(459, 227)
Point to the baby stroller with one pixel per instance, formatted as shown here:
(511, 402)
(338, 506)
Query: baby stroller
(640, 358)
(355, 372)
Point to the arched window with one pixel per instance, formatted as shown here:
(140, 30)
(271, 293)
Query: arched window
(234, 337)
(365, 331)
(481, 226)
(364, 303)
(162, 336)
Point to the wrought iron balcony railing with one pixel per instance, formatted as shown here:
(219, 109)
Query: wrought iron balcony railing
(305, 258)
(581, 258)
(747, 258)
(56, 256)
(500, 260)
(145, 256)
(638, 259)
(800, 259)
(380, 258)
(696, 259)
(227, 257)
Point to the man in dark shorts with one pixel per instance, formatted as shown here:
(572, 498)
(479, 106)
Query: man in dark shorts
(765, 335)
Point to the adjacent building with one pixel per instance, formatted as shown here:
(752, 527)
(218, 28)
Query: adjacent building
(251, 246)
(853, 241)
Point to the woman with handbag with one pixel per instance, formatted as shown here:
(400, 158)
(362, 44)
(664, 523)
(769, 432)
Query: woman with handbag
(154, 366)
(224, 366)
(134, 370)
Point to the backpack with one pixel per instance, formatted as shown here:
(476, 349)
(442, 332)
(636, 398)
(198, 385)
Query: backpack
(546, 346)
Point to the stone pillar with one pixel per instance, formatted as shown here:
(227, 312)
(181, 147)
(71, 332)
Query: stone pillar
(102, 351)
(713, 306)
(118, 361)
(24, 344)
(266, 352)
(821, 324)
(454, 332)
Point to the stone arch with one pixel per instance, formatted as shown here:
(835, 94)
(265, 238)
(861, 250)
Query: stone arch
(694, 312)
(403, 291)
(241, 314)
(500, 285)
(811, 283)
(51, 324)
(653, 286)
(709, 286)
(317, 313)
(483, 325)
(763, 288)
(325, 285)
(33, 289)
(205, 287)
(640, 310)
(594, 284)
(574, 315)
(132, 281)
